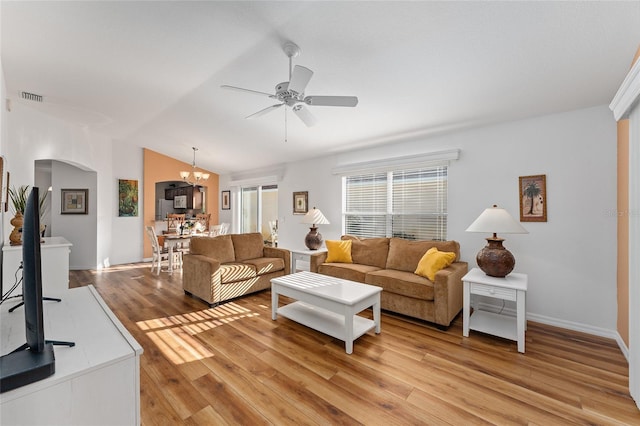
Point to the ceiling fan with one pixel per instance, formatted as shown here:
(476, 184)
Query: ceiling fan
(291, 93)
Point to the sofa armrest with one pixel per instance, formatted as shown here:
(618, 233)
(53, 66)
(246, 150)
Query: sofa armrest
(448, 290)
(317, 259)
(284, 254)
(201, 277)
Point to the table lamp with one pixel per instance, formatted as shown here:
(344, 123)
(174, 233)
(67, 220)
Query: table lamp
(313, 240)
(494, 259)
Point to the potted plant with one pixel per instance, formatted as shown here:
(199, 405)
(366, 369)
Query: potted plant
(19, 198)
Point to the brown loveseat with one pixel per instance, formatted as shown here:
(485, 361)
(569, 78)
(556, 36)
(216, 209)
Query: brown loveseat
(221, 268)
(390, 263)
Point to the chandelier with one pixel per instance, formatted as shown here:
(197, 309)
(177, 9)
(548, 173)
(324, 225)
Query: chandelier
(197, 176)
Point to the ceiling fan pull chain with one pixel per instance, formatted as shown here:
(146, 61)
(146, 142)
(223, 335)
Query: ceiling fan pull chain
(285, 125)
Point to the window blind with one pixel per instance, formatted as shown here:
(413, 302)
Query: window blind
(409, 204)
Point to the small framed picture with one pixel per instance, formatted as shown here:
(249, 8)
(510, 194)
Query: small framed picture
(180, 202)
(533, 198)
(6, 195)
(226, 200)
(74, 201)
(300, 202)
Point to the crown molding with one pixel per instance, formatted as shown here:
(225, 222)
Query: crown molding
(628, 95)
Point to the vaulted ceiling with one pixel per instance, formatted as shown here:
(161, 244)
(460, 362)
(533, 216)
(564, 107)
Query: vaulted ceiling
(150, 72)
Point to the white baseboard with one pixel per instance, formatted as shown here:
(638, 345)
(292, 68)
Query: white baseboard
(623, 347)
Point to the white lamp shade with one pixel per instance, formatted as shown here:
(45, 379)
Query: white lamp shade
(496, 220)
(315, 217)
(184, 175)
(197, 175)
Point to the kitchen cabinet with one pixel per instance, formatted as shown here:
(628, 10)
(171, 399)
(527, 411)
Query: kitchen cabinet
(193, 194)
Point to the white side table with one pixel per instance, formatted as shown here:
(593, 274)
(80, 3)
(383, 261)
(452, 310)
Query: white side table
(303, 255)
(512, 287)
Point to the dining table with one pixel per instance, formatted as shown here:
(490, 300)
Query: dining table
(171, 241)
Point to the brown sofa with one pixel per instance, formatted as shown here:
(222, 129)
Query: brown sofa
(390, 263)
(221, 268)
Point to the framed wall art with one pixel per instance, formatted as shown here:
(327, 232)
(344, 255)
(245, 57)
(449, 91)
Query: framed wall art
(180, 202)
(226, 200)
(127, 198)
(2, 193)
(533, 198)
(300, 202)
(6, 195)
(74, 201)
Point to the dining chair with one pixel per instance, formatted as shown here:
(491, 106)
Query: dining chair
(214, 231)
(173, 221)
(160, 253)
(221, 229)
(203, 219)
(224, 228)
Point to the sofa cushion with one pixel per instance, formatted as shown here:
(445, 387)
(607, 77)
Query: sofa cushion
(230, 272)
(247, 246)
(369, 251)
(338, 251)
(401, 282)
(347, 271)
(404, 255)
(219, 248)
(266, 265)
(433, 261)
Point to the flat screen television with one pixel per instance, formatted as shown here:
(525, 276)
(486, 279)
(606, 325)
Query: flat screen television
(34, 360)
(32, 274)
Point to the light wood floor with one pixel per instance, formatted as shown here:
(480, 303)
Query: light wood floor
(234, 365)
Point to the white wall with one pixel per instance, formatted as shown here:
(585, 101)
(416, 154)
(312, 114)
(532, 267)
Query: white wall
(37, 136)
(127, 232)
(325, 193)
(570, 259)
(3, 143)
(79, 229)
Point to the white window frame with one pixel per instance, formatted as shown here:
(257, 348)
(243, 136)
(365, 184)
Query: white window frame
(259, 190)
(415, 230)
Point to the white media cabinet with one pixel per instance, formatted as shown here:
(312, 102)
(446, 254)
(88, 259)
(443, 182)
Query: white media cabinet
(96, 382)
(54, 252)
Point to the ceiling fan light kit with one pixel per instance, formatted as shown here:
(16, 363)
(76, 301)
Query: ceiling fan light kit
(291, 93)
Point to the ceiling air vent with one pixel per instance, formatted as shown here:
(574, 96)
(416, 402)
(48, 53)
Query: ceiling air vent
(31, 96)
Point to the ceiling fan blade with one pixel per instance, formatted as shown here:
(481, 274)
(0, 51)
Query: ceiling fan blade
(240, 89)
(300, 78)
(264, 111)
(343, 101)
(305, 115)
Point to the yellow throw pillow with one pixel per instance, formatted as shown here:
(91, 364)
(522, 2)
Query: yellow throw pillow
(433, 261)
(339, 251)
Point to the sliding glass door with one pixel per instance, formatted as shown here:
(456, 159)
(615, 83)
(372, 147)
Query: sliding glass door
(259, 206)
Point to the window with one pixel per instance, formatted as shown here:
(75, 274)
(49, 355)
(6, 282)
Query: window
(409, 204)
(259, 205)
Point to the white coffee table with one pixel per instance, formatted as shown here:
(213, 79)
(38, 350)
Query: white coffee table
(327, 304)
